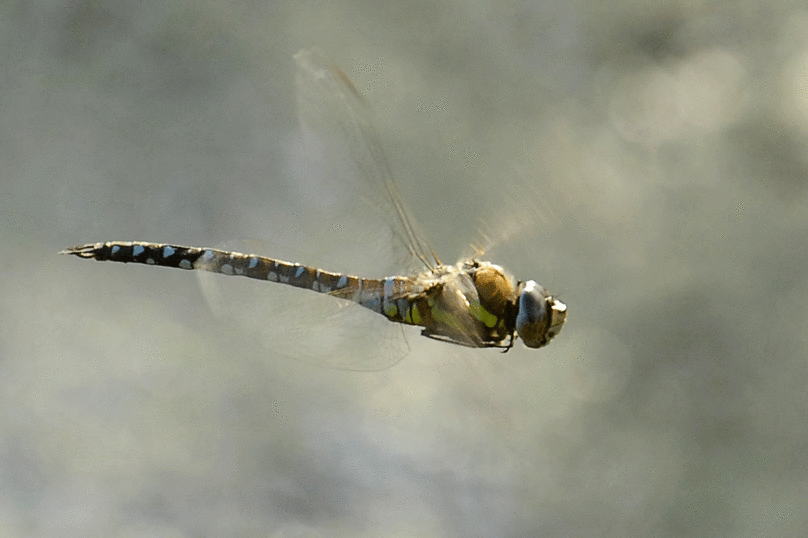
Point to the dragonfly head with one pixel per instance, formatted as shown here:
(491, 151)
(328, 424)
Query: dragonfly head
(540, 316)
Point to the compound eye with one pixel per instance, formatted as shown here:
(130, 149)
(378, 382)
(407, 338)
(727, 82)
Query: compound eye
(534, 316)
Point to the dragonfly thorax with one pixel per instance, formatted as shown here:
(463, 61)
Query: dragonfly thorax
(471, 303)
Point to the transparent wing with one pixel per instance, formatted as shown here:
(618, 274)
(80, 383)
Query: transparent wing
(347, 217)
(300, 324)
(338, 130)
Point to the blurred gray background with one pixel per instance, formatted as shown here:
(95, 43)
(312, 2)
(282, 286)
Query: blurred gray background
(647, 161)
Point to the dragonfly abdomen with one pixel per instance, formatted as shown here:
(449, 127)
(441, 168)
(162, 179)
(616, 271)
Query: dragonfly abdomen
(138, 252)
(386, 296)
(217, 261)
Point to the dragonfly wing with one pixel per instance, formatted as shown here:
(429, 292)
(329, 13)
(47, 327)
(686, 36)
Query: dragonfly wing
(301, 324)
(339, 131)
(347, 217)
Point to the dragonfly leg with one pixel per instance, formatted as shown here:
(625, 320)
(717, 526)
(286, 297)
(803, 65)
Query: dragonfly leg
(509, 346)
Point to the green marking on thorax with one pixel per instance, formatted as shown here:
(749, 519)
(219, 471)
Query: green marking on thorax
(414, 314)
(391, 310)
(483, 315)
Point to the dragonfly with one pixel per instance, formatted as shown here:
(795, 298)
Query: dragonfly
(473, 303)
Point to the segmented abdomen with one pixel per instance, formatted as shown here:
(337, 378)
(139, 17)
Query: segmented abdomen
(388, 296)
